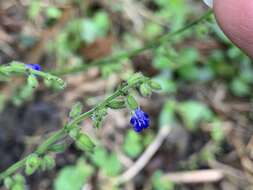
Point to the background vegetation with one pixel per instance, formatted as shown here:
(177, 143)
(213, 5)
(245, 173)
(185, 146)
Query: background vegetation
(201, 120)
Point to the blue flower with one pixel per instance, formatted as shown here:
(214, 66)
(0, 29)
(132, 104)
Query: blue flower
(34, 66)
(139, 120)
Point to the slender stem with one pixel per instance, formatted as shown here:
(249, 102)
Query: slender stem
(128, 54)
(62, 133)
(13, 168)
(51, 140)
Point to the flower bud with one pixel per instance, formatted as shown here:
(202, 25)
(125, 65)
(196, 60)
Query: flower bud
(60, 147)
(32, 164)
(32, 81)
(117, 104)
(8, 182)
(17, 182)
(48, 162)
(154, 85)
(134, 78)
(76, 110)
(84, 142)
(18, 178)
(35, 67)
(55, 82)
(131, 102)
(98, 116)
(74, 132)
(145, 90)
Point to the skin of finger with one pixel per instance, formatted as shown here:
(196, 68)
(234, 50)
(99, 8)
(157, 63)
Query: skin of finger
(235, 17)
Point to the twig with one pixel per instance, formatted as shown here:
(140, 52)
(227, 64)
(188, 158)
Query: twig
(145, 157)
(198, 176)
(62, 133)
(229, 171)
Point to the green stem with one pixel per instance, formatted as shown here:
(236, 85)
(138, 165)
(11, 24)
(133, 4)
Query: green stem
(13, 168)
(62, 133)
(129, 54)
(51, 140)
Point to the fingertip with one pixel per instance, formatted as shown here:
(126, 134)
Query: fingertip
(236, 20)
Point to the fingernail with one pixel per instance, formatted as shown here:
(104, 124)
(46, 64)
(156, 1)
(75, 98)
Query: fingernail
(209, 3)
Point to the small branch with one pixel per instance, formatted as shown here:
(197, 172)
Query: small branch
(199, 176)
(145, 157)
(62, 133)
(229, 171)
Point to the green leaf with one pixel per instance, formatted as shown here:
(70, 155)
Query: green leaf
(159, 183)
(109, 163)
(239, 87)
(167, 85)
(145, 90)
(55, 82)
(154, 85)
(189, 72)
(95, 27)
(8, 182)
(131, 102)
(58, 148)
(217, 132)
(84, 142)
(89, 31)
(167, 114)
(32, 163)
(18, 182)
(117, 104)
(53, 12)
(99, 156)
(153, 30)
(47, 162)
(102, 22)
(34, 9)
(73, 177)
(133, 144)
(161, 61)
(193, 112)
(112, 165)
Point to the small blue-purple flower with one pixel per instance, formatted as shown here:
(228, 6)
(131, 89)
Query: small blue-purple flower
(139, 120)
(36, 67)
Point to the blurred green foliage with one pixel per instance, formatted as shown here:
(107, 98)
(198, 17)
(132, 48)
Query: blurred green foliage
(133, 144)
(107, 162)
(159, 183)
(76, 33)
(181, 63)
(73, 177)
(193, 112)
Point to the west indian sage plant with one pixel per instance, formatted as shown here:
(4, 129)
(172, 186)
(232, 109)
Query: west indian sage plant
(40, 159)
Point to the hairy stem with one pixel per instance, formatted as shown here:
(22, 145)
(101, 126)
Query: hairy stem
(62, 133)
